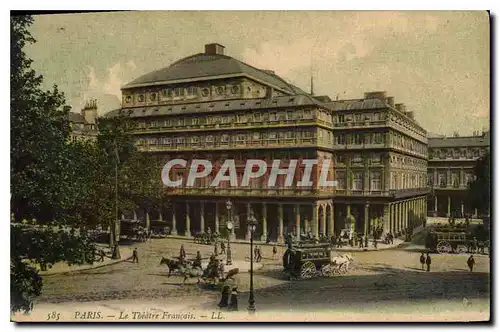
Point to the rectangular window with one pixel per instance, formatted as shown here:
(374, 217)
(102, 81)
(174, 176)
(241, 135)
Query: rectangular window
(376, 181)
(241, 118)
(357, 183)
(179, 92)
(339, 159)
(357, 117)
(210, 138)
(376, 158)
(341, 118)
(225, 138)
(307, 115)
(256, 117)
(192, 91)
(272, 136)
(256, 136)
(289, 115)
(273, 117)
(168, 141)
(180, 122)
(195, 121)
(358, 139)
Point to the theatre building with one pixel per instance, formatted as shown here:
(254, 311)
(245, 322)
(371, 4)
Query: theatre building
(212, 106)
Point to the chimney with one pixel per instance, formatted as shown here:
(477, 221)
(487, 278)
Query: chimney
(214, 49)
(390, 101)
(382, 95)
(89, 112)
(401, 107)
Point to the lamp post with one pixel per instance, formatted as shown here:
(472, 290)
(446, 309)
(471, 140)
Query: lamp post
(229, 226)
(252, 223)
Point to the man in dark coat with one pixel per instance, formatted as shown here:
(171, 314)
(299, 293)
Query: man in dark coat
(135, 258)
(428, 262)
(422, 261)
(471, 262)
(222, 248)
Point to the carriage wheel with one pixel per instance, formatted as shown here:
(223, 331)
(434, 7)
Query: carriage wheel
(461, 249)
(443, 247)
(327, 270)
(308, 270)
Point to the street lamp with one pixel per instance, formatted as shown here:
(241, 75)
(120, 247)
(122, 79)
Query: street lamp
(229, 226)
(252, 224)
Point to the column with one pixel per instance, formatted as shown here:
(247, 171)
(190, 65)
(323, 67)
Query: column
(462, 182)
(174, 221)
(424, 221)
(160, 215)
(462, 207)
(263, 237)
(135, 215)
(148, 222)
(323, 221)
(281, 239)
(348, 213)
(331, 225)
(367, 218)
(249, 208)
(449, 206)
(435, 205)
(297, 221)
(217, 217)
(315, 220)
(188, 222)
(387, 217)
(475, 213)
(202, 217)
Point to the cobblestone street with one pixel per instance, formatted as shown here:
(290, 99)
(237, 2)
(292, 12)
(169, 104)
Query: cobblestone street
(392, 277)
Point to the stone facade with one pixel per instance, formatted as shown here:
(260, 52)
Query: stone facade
(451, 168)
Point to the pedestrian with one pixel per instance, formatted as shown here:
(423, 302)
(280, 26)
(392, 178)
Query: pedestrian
(182, 253)
(422, 261)
(233, 305)
(471, 262)
(222, 248)
(221, 269)
(360, 240)
(135, 258)
(259, 254)
(197, 260)
(101, 255)
(366, 241)
(375, 243)
(216, 253)
(255, 253)
(223, 303)
(428, 262)
(275, 251)
(391, 238)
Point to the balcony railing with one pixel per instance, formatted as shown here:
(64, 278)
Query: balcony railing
(253, 144)
(268, 192)
(232, 125)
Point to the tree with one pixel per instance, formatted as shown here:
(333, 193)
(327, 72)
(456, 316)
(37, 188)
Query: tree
(44, 186)
(479, 191)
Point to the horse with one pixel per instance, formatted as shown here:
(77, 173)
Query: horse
(172, 264)
(342, 261)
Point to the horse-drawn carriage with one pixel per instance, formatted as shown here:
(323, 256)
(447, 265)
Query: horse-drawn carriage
(133, 230)
(447, 242)
(308, 261)
(191, 268)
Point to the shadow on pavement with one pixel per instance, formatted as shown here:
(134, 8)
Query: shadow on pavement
(389, 285)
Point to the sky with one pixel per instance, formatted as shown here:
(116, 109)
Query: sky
(435, 62)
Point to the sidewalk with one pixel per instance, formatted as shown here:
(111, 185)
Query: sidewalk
(380, 246)
(63, 267)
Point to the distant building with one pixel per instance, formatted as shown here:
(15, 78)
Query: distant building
(451, 165)
(83, 125)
